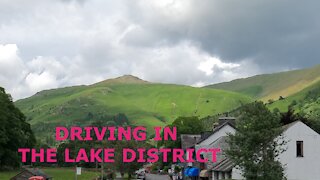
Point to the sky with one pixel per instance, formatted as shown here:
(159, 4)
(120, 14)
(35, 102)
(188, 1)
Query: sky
(47, 44)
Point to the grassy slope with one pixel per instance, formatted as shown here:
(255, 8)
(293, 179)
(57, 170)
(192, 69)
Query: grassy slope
(299, 97)
(144, 103)
(271, 86)
(56, 173)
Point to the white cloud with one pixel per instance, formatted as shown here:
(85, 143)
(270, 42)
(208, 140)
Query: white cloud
(37, 82)
(63, 43)
(10, 62)
(208, 65)
(12, 68)
(183, 63)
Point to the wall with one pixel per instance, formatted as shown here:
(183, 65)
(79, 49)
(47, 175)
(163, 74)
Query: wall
(301, 168)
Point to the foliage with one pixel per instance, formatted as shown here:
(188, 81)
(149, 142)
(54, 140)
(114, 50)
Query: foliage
(303, 106)
(117, 166)
(165, 169)
(15, 132)
(291, 116)
(128, 167)
(306, 101)
(257, 143)
(74, 147)
(177, 169)
(184, 125)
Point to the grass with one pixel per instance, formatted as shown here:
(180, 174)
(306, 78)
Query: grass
(299, 97)
(67, 174)
(6, 175)
(271, 86)
(56, 173)
(146, 104)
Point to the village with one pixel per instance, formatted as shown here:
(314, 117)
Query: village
(301, 158)
(206, 155)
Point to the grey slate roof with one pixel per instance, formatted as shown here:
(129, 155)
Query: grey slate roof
(216, 129)
(29, 172)
(189, 140)
(225, 165)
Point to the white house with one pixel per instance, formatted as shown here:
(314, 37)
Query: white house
(301, 160)
(217, 139)
(302, 157)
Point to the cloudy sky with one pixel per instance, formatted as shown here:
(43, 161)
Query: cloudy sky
(54, 43)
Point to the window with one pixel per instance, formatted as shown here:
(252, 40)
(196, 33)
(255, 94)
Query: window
(299, 148)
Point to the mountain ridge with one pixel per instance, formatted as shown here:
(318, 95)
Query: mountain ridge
(271, 86)
(125, 79)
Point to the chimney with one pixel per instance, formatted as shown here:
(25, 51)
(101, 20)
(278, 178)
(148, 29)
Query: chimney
(216, 124)
(225, 119)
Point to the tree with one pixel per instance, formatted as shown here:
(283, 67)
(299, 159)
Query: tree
(291, 116)
(15, 132)
(185, 125)
(255, 146)
(128, 167)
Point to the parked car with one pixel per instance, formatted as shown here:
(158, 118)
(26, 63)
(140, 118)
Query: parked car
(141, 174)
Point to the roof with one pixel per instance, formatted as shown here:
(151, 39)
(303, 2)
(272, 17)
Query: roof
(287, 126)
(189, 140)
(221, 143)
(226, 118)
(33, 172)
(225, 165)
(216, 129)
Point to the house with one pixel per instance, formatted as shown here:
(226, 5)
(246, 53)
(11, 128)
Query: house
(226, 125)
(222, 168)
(188, 141)
(302, 157)
(30, 172)
(301, 160)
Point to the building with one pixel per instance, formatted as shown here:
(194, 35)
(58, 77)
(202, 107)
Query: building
(30, 172)
(302, 157)
(222, 169)
(189, 140)
(301, 160)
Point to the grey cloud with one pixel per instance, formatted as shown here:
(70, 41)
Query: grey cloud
(275, 33)
(162, 41)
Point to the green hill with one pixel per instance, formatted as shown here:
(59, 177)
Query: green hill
(272, 86)
(138, 102)
(307, 101)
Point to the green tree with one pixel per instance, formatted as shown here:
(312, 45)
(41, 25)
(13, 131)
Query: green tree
(128, 167)
(255, 146)
(15, 132)
(184, 125)
(291, 116)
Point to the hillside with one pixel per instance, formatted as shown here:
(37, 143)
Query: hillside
(272, 86)
(138, 102)
(306, 102)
